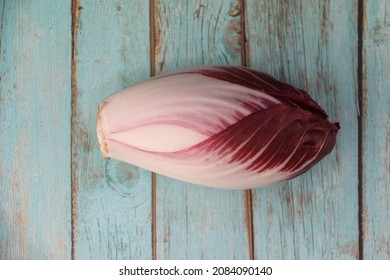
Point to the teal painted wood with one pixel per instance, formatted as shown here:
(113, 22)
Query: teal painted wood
(35, 109)
(376, 130)
(112, 200)
(312, 45)
(195, 222)
(309, 44)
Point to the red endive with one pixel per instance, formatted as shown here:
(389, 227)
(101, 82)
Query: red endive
(219, 126)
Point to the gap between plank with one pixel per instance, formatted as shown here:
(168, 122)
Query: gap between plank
(249, 222)
(74, 183)
(360, 77)
(152, 41)
(244, 50)
(154, 236)
(248, 193)
(2, 26)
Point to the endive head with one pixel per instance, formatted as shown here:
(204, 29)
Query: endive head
(218, 126)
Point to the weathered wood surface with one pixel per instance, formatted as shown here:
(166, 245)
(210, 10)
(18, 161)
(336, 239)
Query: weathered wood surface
(312, 45)
(35, 58)
(194, 222)
(59, 199)
(376, 130)
(111, 199)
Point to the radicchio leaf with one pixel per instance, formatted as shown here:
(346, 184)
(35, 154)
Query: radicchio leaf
(219, 126)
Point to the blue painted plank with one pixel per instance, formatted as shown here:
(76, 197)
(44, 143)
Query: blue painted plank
(112, 200)
(376, 130)
(35, 109)
(311, 45)
(195, 222)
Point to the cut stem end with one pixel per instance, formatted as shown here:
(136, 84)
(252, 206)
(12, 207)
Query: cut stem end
(100, 133)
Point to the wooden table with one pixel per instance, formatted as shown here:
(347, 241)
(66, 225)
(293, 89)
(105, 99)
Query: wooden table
(60, 200)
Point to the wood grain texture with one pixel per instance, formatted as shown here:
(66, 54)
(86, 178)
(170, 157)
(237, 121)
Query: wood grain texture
(59, 199)
(112, 200)
(35, 93)
(195, 222)
(312, 45)
(376, 130)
